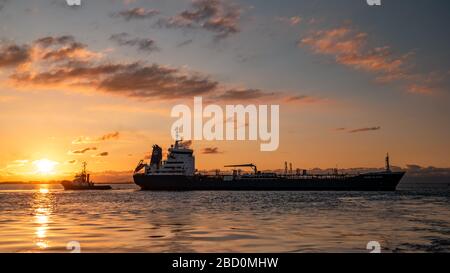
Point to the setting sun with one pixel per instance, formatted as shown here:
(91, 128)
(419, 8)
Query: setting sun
(45, 166)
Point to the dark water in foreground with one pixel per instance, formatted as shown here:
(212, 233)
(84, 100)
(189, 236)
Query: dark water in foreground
(42, 218)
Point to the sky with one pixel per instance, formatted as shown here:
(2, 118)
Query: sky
(96, 83)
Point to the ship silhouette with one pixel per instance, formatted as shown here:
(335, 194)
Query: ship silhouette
(82, 182)
(178, 173)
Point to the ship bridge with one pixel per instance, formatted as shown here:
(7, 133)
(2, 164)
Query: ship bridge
(180, 161)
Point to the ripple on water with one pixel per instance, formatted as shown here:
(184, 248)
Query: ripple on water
(130, 220)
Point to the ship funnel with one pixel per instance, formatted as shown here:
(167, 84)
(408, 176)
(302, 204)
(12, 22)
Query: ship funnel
(156, 157)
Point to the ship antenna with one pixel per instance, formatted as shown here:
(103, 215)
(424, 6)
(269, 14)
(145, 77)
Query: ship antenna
(84, 167)
(83, 172)
(177, 131)
(388, 165)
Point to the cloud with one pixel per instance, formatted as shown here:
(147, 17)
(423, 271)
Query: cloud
(87, 140)
(72, 161)
(185, 43)
(211, 150)
(133, 80)
(420, 89)
(13, 55)
(57, 40)
(102, 154)
(293, 21)
(304, 99)
(217, 16)
(82, 151)
(243, 94)
(351, 48)
(340, 129)
(73, 67)
(114, 135)
(17, 163)
(57, 63)
(136, 14)
(357, 130)
(143, 44)
(61, 48)
(82, 140)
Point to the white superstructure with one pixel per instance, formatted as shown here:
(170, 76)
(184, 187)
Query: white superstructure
(180, 161)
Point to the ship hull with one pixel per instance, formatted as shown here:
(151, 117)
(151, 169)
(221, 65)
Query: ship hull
(386, 181)
(69, 186)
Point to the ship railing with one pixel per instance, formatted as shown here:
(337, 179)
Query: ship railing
(244, 175)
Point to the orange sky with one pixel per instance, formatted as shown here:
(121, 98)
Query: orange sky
(349, 90)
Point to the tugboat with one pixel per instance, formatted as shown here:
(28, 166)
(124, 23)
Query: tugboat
(81, 182)
(178, 173)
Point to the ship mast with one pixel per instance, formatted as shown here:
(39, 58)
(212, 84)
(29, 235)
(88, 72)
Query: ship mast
(84, 174)
(83, 171)
(388, 165)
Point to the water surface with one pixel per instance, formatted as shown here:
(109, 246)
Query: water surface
(45, 218)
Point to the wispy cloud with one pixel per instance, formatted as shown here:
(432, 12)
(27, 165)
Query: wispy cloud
(352, 48)
(143, 44)
(211, 150)
(185, 43)
(367, 129)
(421, 89)
(61, 48)
(82, 151)
(349, 47)
(305, 99)
(102, 154)
(136, 14)
(243, 94)
(218, 16)
(340, 129)
(114, 135)
(358, 130)
(293, 21)
(87, 140)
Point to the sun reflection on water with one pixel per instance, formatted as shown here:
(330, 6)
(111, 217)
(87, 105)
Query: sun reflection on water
(43, 190)
(42, 209)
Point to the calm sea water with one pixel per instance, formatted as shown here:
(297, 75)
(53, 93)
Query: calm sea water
(44, 218)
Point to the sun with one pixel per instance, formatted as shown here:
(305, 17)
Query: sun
(45, 166)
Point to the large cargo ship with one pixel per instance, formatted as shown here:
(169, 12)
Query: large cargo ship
(178, 173)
